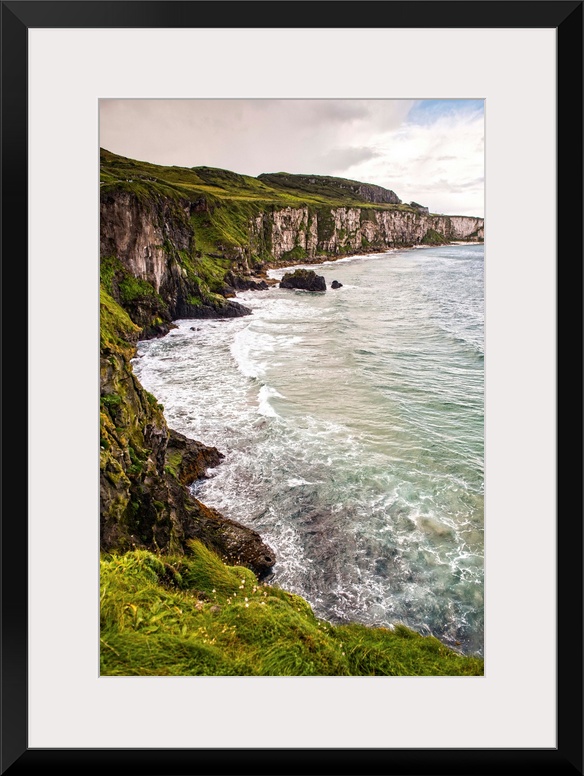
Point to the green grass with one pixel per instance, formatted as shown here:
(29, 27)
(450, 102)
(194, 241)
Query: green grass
(117, 331)
(298, 253)
(432, 237)
(279, 189)
(135, 295)
(193, 615)
(323, 187)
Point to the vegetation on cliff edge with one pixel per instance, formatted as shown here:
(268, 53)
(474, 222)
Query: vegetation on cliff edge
(192, 615)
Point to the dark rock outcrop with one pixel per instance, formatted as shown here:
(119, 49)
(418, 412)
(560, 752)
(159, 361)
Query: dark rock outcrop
(305, 279)
(190, 458)
(143, 245)
(145, 468)
(246, 282)
(336, 284)
(236, 544)
(225, 308)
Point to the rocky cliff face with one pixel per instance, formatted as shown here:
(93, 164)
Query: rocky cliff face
(145, 467)
(151, 240)
(167, 259)
(347, 230)
(146, 236)
(165, 256)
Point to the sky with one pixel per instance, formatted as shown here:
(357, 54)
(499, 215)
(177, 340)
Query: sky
(427, 151)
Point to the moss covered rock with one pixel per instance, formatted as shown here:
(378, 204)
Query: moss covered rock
(305, 279)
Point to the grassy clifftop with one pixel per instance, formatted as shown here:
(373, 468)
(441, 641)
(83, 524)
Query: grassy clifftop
(193, 615)
(279, 189)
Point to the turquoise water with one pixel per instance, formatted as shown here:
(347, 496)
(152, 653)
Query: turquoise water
(352, 423)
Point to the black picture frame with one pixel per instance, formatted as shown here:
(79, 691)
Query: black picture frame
(566, 17)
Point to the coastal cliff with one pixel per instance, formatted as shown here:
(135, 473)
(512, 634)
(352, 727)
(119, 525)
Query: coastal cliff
(177, 242)
(305, 234)
(145, 467)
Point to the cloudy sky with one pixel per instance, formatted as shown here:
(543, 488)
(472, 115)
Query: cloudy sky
(429, 151)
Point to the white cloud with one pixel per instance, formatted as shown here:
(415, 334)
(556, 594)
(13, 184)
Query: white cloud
(247, 136)
(439, 164)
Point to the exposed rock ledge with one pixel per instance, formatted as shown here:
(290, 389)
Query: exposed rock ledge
(145, 469)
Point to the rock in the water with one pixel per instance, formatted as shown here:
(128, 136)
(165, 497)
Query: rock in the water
(219, 308)
(246, 282)
(305, 279)
(336, 284)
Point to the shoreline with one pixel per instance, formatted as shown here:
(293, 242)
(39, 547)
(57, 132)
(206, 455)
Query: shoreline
(332, 259)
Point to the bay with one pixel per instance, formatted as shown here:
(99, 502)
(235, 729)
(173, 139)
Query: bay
(352, 423)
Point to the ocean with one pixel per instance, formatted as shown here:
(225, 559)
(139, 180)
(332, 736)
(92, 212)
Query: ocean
(352, 423)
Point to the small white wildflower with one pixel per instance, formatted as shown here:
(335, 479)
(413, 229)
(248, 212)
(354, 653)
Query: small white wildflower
(246, 605)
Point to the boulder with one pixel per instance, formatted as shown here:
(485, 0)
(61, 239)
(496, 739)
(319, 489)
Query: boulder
(305, 279)
(336, 284)
(245, 282)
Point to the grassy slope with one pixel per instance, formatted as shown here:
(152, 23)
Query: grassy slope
(220, 185)
(193, 615)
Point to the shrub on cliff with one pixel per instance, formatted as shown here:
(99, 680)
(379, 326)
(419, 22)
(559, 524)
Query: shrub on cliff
(432, 237)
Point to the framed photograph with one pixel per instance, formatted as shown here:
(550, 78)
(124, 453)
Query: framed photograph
(513, 69)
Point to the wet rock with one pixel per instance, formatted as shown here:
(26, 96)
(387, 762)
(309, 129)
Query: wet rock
(144, 467)
(190, 458)
(305, 279)
(156, 331)
(221, 308)
(336, 284)
(235, 543)
(246, 282)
